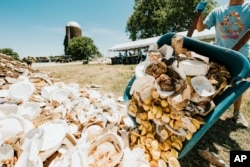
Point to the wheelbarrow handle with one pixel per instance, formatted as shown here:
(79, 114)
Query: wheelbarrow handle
(193, 25)
(242, 41)
(194, 22)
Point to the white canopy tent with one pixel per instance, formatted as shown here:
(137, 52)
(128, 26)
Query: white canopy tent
(134, 44)
(204, 35)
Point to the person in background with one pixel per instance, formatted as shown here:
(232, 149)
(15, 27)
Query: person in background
(126, 54)
(130, 54)
(27, 60)
(231, 21)
(139, 56)
(120, 54)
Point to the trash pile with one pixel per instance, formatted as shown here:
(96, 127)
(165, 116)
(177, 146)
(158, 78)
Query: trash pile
(45, 122)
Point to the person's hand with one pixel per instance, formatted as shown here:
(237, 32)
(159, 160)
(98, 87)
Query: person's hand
(201, 6)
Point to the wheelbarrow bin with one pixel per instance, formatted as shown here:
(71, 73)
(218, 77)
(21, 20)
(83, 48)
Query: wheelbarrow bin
(236, 63)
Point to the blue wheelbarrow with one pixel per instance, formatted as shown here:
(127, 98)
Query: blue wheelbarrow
(239, 68)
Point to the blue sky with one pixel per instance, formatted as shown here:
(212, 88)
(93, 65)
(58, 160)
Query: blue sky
(37, 27)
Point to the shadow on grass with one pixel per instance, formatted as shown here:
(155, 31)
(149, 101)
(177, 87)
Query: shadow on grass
(218, 134)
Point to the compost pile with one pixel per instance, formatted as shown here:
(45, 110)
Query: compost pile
(172, 93)
(45, 122)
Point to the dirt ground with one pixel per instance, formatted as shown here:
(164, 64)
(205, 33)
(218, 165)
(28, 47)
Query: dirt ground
(53, 64)
(221, 138)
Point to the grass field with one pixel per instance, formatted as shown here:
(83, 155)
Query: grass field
(221, 138)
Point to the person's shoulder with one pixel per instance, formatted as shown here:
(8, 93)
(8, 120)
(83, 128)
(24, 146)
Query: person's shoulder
(219, 9)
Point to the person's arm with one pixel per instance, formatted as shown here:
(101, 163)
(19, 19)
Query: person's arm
(200, 7)
(200, 26)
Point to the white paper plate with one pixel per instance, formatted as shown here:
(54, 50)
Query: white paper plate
(4, 93)
(163, 93)
(140, 69)
(6, 152)
(143, 82)
(11, 125)
(46, 91)
(21, 90)
(193, 67)
(53, 134)
(59, 95)
(7, 109)
(202, 86)
(29, 110)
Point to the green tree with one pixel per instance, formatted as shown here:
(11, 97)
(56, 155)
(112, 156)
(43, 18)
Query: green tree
(156, 17)
(82, 48)
(10, 52)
